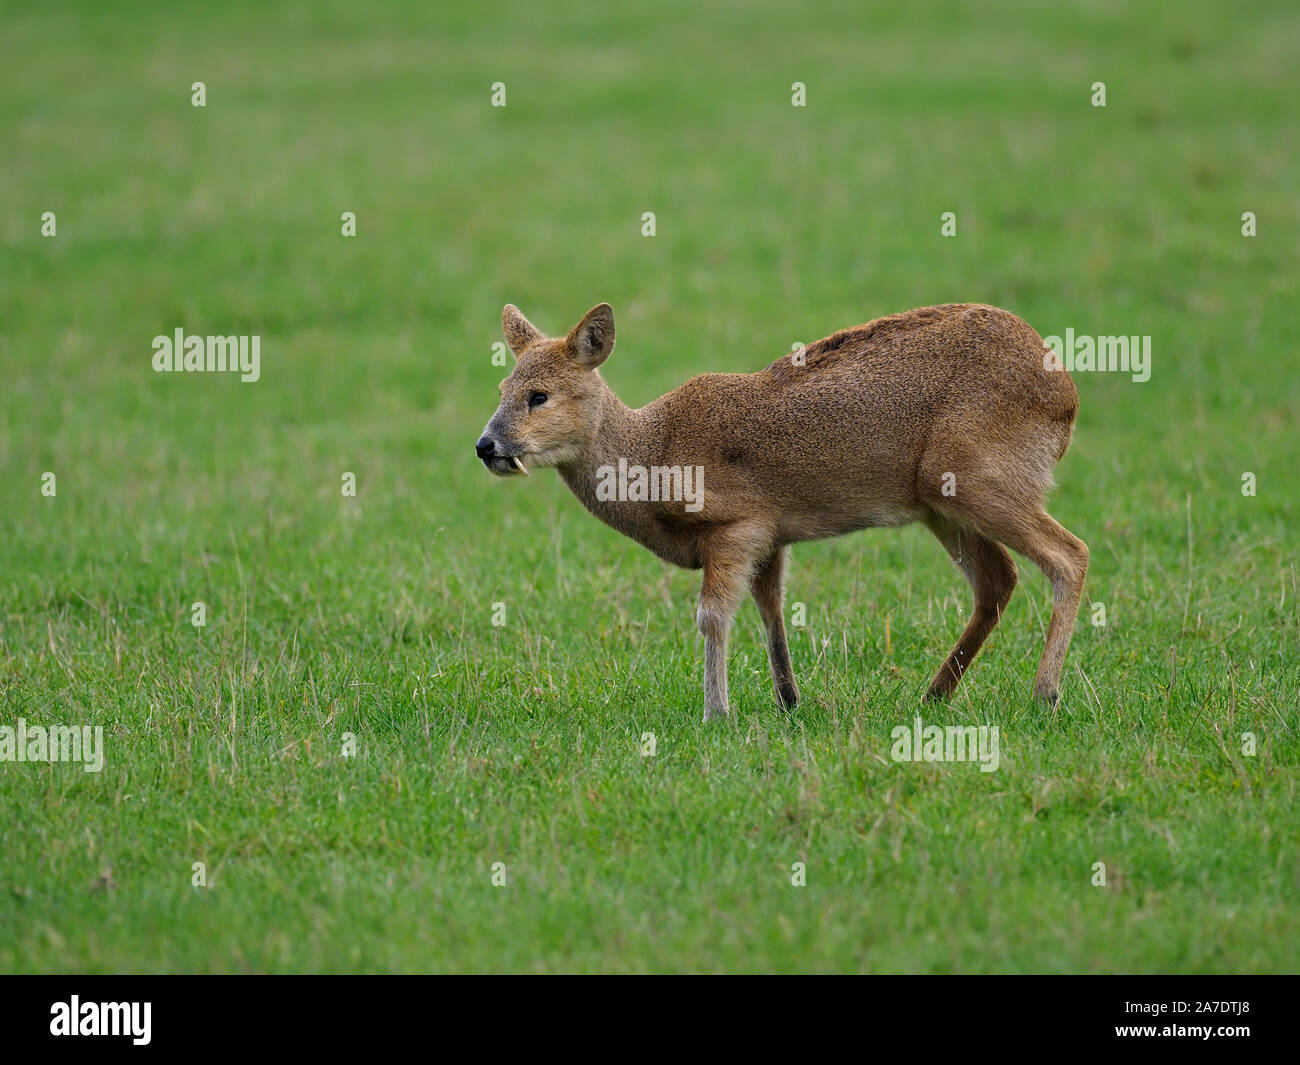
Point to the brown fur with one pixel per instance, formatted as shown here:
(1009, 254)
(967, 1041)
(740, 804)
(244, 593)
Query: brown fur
(861, 434)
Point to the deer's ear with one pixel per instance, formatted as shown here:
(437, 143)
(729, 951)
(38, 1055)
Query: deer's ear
(519, 331)
(592, 339)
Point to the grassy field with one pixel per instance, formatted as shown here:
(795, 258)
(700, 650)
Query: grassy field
(521, 743)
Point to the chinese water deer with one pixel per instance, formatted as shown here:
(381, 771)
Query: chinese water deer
(943, 415)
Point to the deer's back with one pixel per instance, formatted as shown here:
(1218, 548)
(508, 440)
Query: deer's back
(835, 440)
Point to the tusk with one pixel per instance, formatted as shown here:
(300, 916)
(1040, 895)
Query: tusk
(519, 465)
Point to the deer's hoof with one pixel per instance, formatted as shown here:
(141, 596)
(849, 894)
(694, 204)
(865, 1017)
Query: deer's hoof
(1050, 696)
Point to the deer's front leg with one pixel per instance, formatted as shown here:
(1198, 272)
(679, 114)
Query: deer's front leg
(728, 562)
(766, 586)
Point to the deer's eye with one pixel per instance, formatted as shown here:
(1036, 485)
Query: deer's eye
(536, 399)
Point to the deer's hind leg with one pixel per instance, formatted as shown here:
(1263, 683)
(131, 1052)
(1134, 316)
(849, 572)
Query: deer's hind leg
(1064, 558)
(1024, 526)
(992, 576)
(998, 492)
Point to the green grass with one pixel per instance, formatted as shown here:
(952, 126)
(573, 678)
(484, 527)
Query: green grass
(521, 743)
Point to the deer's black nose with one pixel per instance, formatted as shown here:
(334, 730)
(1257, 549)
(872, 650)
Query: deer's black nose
(485, 447)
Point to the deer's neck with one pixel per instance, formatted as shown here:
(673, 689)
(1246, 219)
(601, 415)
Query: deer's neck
(636, 439)
(618, 435)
